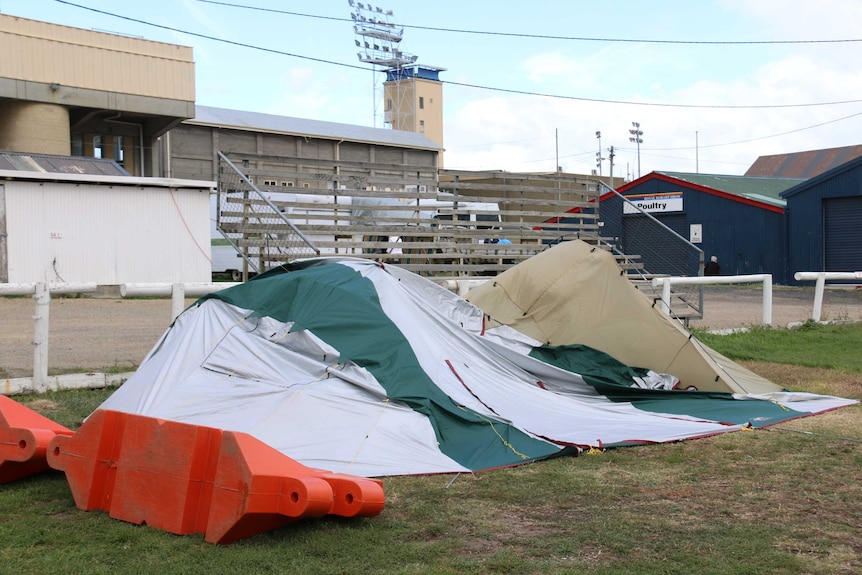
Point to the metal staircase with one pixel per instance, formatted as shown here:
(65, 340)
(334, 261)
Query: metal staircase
(258, 230)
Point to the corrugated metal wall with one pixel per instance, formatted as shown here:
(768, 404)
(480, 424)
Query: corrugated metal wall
(746, 239)
(193, 150)
(843, 238)
(108, 234)
(806, 218)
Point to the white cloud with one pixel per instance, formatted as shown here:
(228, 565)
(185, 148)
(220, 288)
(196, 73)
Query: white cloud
(717, 140)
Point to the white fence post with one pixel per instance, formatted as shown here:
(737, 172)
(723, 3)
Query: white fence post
(767, 299)
(178, 300)
(42, 296)
(665, 298)
(819, 287)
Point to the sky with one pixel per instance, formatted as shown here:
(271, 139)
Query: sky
(713, 84)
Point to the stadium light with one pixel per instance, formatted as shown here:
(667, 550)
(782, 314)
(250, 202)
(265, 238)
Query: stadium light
(636, 137)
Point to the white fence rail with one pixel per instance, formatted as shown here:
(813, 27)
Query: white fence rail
(42, 292)
(177, 291)
(820, 285)
(765, 279)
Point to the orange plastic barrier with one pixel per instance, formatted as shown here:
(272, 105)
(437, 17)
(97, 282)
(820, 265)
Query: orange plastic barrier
(24, 438)
(185, 478)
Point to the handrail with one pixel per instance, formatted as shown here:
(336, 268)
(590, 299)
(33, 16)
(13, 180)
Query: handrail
(664, 251)
(655, 220)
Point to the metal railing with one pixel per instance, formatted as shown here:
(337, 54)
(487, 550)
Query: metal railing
(659, 250)
(253, 225)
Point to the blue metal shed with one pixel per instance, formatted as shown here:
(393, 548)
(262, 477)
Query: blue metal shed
(824, 221)
(736, 218)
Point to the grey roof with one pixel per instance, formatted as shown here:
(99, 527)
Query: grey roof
(764, 190)
(256, 121)
(45, 163)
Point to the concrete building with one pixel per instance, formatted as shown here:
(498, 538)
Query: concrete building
(68, 91)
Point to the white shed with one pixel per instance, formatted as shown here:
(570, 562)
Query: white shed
(108, 230)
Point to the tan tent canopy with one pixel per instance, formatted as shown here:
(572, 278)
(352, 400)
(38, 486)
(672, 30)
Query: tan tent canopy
(575, 293)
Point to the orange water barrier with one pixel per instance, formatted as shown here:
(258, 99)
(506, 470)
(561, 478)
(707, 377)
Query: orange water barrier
(24, 438)
(185, 478)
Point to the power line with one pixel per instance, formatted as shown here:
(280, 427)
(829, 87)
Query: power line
(213, 38)
(749, 140)
(547, 36)
(649, 151)
(462, 84)
(654, 104)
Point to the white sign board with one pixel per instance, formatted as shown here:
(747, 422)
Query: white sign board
(695, 233)
(653, 203)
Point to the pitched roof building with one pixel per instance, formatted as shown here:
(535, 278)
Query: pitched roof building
(803, 165)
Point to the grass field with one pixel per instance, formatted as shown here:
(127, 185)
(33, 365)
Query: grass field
(782, 500)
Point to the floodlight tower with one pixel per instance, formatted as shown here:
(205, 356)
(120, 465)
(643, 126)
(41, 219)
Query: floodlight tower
(636, 137)
(378, 39)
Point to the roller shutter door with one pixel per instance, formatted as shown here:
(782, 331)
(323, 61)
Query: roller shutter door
(843, 234)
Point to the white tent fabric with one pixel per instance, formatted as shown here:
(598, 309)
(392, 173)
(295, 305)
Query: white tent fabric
(347, 410)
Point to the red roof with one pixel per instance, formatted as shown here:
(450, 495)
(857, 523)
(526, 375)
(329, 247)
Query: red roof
(803, 164)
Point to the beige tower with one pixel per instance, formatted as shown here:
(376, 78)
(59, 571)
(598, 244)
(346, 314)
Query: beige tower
(69, 91)
(413, 100)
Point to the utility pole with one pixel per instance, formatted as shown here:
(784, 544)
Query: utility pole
(599, 157)
(611, 158)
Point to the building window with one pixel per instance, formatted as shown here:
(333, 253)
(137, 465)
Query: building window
(270, 183)
(421, 103)
(305, 185)
(421, 126)
(388, 105)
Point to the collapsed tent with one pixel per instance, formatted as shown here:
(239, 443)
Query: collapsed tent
(350, 366)
(575, 293)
